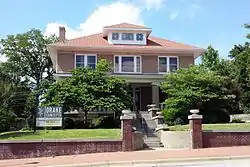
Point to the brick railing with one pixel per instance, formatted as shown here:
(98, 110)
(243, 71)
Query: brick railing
(45, 148)
(42, 148)
(205, 139)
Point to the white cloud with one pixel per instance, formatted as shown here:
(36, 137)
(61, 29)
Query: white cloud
(193, 9)
(173, 15)
(108, 14)
(184, 9)
(152, 4)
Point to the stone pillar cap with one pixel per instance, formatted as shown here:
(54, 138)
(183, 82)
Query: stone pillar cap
(195, 116)
(126, 112)
(151, 105)
(194, 111)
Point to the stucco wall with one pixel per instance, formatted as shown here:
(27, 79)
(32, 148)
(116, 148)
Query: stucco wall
(66, 60)
(175, 139)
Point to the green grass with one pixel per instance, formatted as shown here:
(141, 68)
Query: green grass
(229, 126)
(62, 134)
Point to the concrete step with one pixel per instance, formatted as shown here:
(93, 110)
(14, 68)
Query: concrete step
(153, 144)
(152, 139)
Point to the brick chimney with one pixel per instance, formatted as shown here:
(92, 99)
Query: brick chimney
(62, 34)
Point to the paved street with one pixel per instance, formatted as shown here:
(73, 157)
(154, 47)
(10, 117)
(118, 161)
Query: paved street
(135, 156)
(228, 163)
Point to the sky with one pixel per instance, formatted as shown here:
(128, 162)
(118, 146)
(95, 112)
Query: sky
(196, 22)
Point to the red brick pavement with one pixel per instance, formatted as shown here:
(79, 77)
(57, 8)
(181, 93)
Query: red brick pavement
(128, 156)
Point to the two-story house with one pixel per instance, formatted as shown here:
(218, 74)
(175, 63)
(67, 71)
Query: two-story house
(135, 55)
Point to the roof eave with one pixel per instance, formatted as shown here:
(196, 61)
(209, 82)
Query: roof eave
(197, 51)
(107, 30)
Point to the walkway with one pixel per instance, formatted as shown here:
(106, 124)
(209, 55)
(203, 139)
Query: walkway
(128, 156)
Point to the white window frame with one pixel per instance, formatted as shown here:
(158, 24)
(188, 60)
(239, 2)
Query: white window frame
(127, 42)
(119, 34)
(142, 37)
(120, 64)
(168, 63)
(133, 34)
(85, 59)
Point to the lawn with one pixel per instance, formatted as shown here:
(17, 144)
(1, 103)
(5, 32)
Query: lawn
(230, 126)
(63, 134)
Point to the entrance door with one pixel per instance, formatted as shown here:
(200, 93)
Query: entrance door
(137, 99)
(135, 94)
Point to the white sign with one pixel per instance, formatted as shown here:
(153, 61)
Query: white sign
(49, 117)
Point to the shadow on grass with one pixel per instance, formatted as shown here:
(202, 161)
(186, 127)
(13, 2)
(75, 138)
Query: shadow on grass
(15, 134)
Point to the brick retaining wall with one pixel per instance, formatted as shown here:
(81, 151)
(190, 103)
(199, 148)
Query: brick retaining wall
(214, 138)
(225, 138)
(45, 148)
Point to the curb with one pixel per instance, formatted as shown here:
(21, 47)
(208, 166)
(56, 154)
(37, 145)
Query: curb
(155, 162)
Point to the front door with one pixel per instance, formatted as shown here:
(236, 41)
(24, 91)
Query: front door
(135, 94)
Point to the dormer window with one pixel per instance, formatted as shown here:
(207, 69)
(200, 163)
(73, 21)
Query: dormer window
(139, 37)
(128, 36)
(115, 36)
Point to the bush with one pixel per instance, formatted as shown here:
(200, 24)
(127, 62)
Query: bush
(237, 120)
(107, 122)
(196, 88)
(69, 123)
(7, 120)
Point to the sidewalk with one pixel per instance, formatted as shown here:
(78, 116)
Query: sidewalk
(128, 156)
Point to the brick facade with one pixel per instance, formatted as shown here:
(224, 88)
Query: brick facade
(225, 139)
(127, 134)
(206, 139)
(31, 149)
(45, 148)
(196, 133)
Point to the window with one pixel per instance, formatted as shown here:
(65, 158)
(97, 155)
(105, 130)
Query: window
(115, 36)
(128, 36)
(167, 64)
(173, 64)
(127, 64)
(163, 64)
(139, 37)
(85, 61)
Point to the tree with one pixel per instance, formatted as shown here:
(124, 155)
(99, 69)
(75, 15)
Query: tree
(247, 26)
(210, 59)
(13, 104)
(28, 58)
(196, 87)
(225, 68)
(89, 89)
(241, 60)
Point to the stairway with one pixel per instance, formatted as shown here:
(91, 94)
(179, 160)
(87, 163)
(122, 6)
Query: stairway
(151, 139)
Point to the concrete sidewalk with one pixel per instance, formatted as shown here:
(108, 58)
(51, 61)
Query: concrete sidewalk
(131, 157)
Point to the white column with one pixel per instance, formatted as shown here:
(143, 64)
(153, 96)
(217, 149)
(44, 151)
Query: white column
(155, 95)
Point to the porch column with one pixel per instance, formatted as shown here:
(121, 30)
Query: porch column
(155, 95)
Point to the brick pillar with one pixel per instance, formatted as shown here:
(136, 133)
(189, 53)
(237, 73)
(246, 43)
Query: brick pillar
(195, 122)
(127, 133)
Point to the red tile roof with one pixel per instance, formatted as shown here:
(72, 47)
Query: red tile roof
(127, 25)
(99, 40)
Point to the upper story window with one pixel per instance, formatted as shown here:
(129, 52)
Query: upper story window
(115, 36)
(128, 36)
(85, 61)
(127, 64)
(139, 37)
(167, 64)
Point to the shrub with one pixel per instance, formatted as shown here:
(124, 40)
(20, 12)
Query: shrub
(196, 88)
(237, 120)
(69, 123)
(107, 122)
(7, 120)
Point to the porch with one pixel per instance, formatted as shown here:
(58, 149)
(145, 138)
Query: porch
(144, 94)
